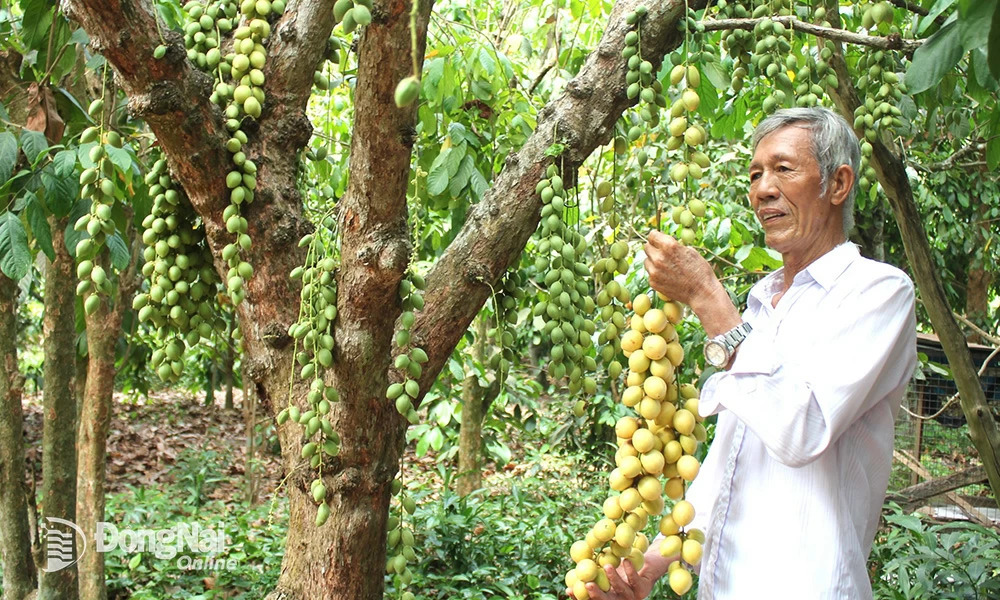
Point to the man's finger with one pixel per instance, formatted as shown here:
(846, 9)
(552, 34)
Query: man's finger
(617, 584)
(595, 592)
(630, 572)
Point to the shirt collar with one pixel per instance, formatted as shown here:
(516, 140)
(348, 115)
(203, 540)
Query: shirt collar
(824, 270)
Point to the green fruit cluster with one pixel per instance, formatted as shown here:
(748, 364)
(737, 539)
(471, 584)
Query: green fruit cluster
(612, 313)
(771, 58)
(409, 363)
(687, 136)
(99, 184)
(203, 28)
(313, 331)
(882, 90)
(400, 541)
(876, 14)
(352, 14)
(640, 76)
(182, 283)
(567, 301)
(738, 43)
(506, 302)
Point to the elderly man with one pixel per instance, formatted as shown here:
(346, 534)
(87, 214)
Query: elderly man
(810, 379)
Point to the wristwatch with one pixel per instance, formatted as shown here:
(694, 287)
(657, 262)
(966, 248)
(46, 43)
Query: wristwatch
(720, 349)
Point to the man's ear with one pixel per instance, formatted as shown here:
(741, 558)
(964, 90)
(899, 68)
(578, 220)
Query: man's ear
(840, 184)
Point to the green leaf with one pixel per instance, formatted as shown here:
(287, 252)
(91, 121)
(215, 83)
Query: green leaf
(993, 47)
(461, 178)
(939, 7)
(976, 24)
(60, 192)
(8, 154)
(437, 181)
(15, 257)
(939, 55)
(714, 73)
(993, 145)
(64, 163)
(478, 184)
(489, 64)
(120, 256)
(34, 144)
(456, 369)
(39, 225)
(120, 157)
(134, 561)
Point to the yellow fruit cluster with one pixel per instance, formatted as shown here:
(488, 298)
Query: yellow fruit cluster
(655, 458)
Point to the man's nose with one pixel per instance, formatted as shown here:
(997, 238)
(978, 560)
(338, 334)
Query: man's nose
(766, 188)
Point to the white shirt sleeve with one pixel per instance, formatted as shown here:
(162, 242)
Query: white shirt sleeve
(799, 405)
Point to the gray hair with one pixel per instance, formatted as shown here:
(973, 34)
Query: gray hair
(833, 144)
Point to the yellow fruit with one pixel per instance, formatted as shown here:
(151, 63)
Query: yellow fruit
(638, 518)
(677, 74)
(649, 487)
(674, 488)
(691, 552)
(636, 323)
(635, 379)
(580, 591)
(630, 499)
(625, 448)
(671, 546)
(626, 426)
(691, 405)
(682, 513)
(604, 530)
(670, 470)
(672, 452)
(632, 341)
(666, 417)
(618, 482)
(649, 408)
(652, 462)
(641, 542)
(608, 557)
(662, 368)
(637, 559)
(689, 391)
(571, 578)
(688, 467)
(688, 444)
(631, 466)
(654, 320)
(654, 507)
(654, 347)
(602, 581)
(592, 540)
(696, 534)
(674, 313)
(655, 388)
(638, 363)
(624, 535)
(612, 509)
(690, 99)
(680, 581)
(643, 440)
(668, 526)
(581, 550)
(586, 570)
(632, 395)
(675, 353)
(677, 126)
(641, 304)
(684, 422)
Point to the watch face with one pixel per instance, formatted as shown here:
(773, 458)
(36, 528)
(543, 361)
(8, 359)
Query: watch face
(715, 354)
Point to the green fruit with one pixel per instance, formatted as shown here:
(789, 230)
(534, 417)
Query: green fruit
(322, 514)
(407, 90)
(92, 303)
(412, 388)
(95, 108)
(160, 52)
(252, 107)
(362, 16)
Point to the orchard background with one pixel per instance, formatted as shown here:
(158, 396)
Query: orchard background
(244, 194)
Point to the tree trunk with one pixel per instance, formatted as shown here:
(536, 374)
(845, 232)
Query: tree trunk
(475, 402)
(229, 358)
(103, 331)
(59, 400)
(19, 577)
(344, 560)
(980, 277)
(871, 232)
(892, 175)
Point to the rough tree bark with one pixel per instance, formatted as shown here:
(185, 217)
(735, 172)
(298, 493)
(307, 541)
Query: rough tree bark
(19, 577)
(59, 403)
(103, 332)
(345, 559)
(892, 175)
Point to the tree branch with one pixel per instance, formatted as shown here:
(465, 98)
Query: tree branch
(496, 230)
(949, 162)
(892, 42)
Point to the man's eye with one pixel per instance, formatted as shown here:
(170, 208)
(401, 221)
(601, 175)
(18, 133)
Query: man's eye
(754, 176)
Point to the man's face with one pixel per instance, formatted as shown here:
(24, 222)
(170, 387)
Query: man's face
(785, 193)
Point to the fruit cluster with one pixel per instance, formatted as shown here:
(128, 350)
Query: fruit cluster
(400, 541)
(182, 282)
(411, 363)
(611, 312)
(568, 300)
(659, 442)
(99, 185)
(506, 301)
(351, 14)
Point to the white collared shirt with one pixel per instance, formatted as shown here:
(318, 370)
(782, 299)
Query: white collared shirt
(791, 490)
